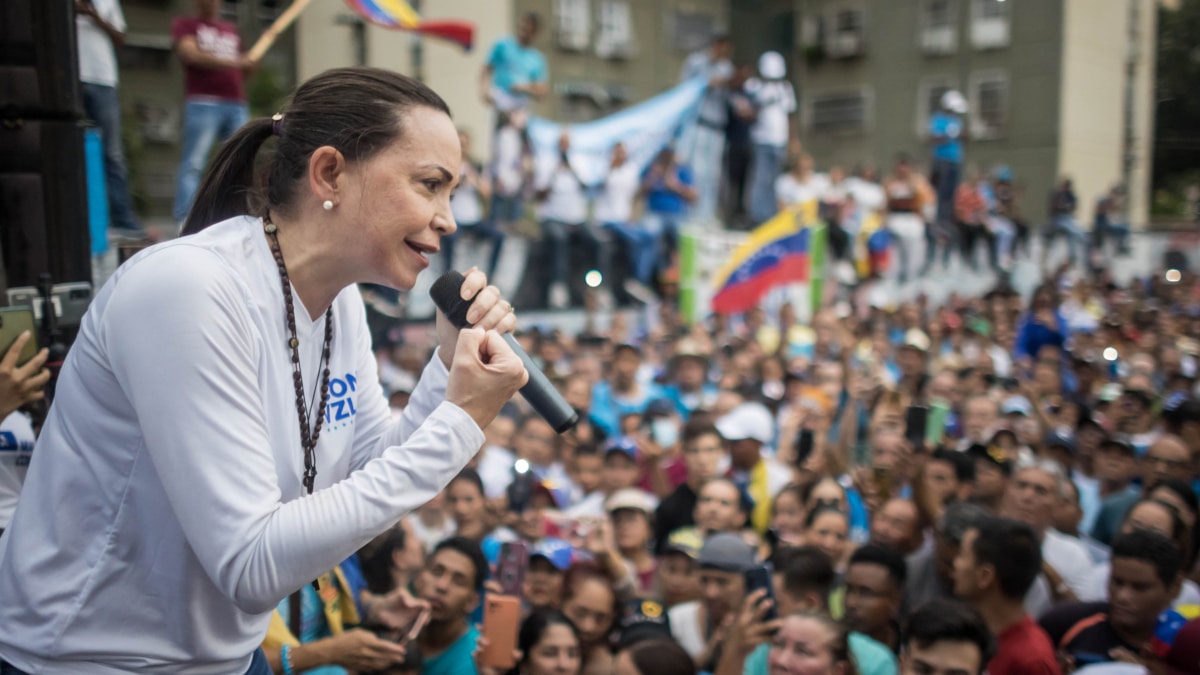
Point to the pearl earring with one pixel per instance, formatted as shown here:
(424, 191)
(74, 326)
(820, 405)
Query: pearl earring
(328, 205)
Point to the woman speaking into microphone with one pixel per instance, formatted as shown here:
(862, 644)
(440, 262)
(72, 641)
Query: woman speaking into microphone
(219, 437)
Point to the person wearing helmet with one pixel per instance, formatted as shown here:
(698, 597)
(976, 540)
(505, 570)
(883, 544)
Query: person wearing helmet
(946, 133)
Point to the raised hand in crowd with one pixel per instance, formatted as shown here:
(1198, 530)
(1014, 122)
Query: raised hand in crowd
(25, 383)
(748, 630)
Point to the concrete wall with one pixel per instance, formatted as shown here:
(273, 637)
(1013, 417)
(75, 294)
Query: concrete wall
(1092, 116)
(455, 74)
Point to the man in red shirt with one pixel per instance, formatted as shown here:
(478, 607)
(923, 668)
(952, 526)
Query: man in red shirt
(997, 563)
(214, 67)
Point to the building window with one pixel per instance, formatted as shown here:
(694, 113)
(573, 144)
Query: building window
(929, 100)
(993, 9)
(614, 36)
(847, 39)
(690, 31)
(990, 23)
(988, 102)
(839, 113)
(939, 29)
(268, 11)
(571, 24)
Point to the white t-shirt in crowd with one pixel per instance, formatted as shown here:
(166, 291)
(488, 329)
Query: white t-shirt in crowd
(869, 195)
(566, 201)
(495, 470)
(16, 450)
(507, 161)
(791, 191)
(775, 101)
(1070, 558)
(163, 515)
(615, 202)
(685, 627)
(465, 203)
(97, 58)
(430, 536)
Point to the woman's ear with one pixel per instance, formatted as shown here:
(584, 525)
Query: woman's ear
(326, 169)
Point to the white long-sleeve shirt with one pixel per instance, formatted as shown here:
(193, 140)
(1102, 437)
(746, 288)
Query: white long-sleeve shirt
(162, 517)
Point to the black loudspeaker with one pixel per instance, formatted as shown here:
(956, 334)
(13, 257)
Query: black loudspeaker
(43, 201)
(39, 69)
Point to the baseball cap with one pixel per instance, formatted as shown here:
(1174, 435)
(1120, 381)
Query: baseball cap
(660, 407)
(560, 553)
(1060, 437)
(685, 540)
(629, 498)
(916, 338)
(727, 552)
(747, 421)
(1110, 392)
(642, 619)
(993, 454)
(622, 444)
(1016, 405)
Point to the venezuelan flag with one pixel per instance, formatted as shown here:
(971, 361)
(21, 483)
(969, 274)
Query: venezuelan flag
(776, 253)
(387, 13)
(399, 15)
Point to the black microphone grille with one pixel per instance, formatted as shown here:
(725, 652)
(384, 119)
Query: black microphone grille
(447, 295)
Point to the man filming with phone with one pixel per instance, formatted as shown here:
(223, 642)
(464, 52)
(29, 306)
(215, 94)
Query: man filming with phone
(451, 583)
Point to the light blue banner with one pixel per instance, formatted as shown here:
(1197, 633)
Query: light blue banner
(643, 128)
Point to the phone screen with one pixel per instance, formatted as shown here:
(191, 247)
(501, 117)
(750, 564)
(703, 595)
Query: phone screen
(804, 446)
(13, 322)
(761, 577)
(510, 568)
(915, 420)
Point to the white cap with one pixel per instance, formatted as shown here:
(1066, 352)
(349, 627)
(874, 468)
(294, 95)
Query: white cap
(772, 66)
(629, 498)
(954, 102)
(748, 421)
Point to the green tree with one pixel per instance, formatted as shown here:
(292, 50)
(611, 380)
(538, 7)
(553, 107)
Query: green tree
(1177, 115)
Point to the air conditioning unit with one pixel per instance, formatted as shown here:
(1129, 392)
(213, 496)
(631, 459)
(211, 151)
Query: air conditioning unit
(573, 40)
(846, 45)
(939, 41)
(612, 49)
(990, 33)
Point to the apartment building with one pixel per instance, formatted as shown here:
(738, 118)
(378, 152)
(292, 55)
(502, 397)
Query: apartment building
(1056, 87)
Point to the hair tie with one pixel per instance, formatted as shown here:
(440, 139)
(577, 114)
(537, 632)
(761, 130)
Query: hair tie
(277, 124)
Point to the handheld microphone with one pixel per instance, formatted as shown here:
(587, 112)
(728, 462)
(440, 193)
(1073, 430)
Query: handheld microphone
(541, 394)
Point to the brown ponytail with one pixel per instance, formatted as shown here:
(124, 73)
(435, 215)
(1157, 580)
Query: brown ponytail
(359, 111)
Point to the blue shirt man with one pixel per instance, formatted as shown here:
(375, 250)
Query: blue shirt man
(946, 130)
(515, 71)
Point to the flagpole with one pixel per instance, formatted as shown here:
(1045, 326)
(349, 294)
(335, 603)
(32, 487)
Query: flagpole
(267, 39)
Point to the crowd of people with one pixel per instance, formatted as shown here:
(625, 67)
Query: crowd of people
(990, 485)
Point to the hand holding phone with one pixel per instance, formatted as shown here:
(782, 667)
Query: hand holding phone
(501, 621)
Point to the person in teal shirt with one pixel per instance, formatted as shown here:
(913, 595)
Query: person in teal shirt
(452, 583)
(515, 71)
